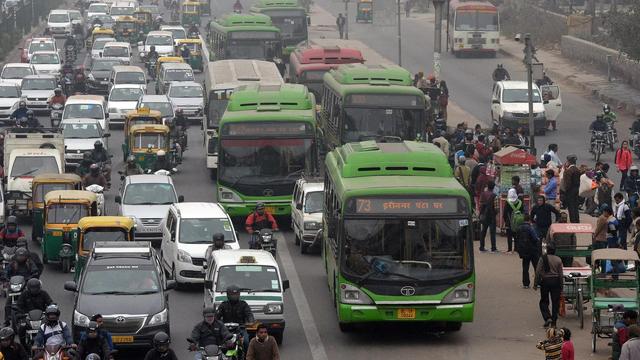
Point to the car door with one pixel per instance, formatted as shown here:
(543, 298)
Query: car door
(296, 190)
(168, 240)
(552, 98)
(495, 103)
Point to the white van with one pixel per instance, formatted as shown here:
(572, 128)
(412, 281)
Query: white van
(510, 106)
(306, 212)
(117, 50)
(59, 23)
(87, 107)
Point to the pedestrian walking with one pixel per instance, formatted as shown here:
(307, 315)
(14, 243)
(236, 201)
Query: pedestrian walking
(341, 22)
(623, 214)
(623, 161)
(528, 248)
(612, 228)
(550, 280)
(551, 188)
(488, 216)
(568, 352)
(571, 184)
(631, 349)
(407, 7)
(512, 209)
(552, 151)
(552, 345)
(541, 215)
(462, 172)
(263, 346)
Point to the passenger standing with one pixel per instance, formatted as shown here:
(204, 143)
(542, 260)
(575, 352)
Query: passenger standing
(550, 280)
(443, 100)
(488, 216)
(623, 214)
(551, 188)
(623, 160)
(541, 215)
(528, 247)
(340, 22)
(571, 182)
(600, 234)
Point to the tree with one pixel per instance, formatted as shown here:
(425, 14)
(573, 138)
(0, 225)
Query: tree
(625, 27)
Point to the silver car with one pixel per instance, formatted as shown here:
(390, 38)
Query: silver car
(37, 89)
(122, 99)
(157, 102)
(187, 96)
(80, 135)
(9, 98)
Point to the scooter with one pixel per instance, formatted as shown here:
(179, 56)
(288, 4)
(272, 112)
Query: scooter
(56, 114)
(99, 191)
(264, 240)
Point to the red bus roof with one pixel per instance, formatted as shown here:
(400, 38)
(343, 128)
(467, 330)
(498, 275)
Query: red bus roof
(472, 5)
(315, 54)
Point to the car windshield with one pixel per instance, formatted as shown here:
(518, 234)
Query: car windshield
(98, 8)
(104, 65)
(10, 72)
(115, 51)
(178, 91)
(149, 141)
(39, 84)
(44, 188)
(133, 77)
(165, 108)
(251, 277)
(126, 10)
(45, 59)
(313, 202)
(200, 231)
(41, 46)
(102, 234)
(66, 213)
(370, 123)
(125, 94)
(406, 248)
(519, 96)
(86, 111)
(177, 33)
(9, 92)
(149, 194)
(101, 42)
(75, 15)
(34, 165)
(178, 75)
(80, 131)
(159, 40)
(121, 280)
(59, 18)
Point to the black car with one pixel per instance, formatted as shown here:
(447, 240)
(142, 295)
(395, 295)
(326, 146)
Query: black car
(98, 76)
(124, 282)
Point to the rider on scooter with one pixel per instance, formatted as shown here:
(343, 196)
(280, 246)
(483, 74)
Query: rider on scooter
(258, 220)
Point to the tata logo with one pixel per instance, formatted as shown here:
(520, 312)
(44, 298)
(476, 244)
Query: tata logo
(267, 192)
(408, 291)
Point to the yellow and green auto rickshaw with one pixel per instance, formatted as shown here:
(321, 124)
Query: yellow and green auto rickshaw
(195, 50)
(42, 184)
(190, 13)
(144, 142)
(127, 29)
(63, 210)
(140, 117)
(365, 11)
(145, 20)
(100, 228)
(98, 33)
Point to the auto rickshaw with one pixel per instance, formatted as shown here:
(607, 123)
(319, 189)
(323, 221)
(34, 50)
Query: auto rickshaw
(144, 142)
(614, 289)
(43, 184)
(127, 29)
(140, 117)
(195, 50)
(62, 212)
(100, 228)
(167, 59)
(365, 11)
(98, 33)
(145, 20)
(190, 13)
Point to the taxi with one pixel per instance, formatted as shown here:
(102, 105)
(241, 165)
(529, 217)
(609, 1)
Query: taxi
(256, 272)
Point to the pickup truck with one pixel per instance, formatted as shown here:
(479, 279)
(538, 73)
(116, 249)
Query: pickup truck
(27, 153)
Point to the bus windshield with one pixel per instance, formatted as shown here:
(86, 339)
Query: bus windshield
(476, 20)
(362, 124)
(249, 49)
(397, 249)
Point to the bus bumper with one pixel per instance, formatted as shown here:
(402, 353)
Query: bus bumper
(244, 209)
(423, 313)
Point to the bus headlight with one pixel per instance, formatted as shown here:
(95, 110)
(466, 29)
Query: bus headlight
(227, 195)
(350, 294)
(461, 294)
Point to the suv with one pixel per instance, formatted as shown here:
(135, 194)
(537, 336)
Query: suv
(187, 232)
(125, 283)
(510, 106)
(147, 198)
(59, 22)
(306, 212)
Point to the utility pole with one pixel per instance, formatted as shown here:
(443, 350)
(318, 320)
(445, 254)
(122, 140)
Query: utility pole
(529, 55)
(437, 44)
(399, 37)
(346, 19)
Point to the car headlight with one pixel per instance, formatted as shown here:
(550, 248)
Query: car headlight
(184, 257)
(159, 318)
(460, 294)
(35, 324)
(312, 225)
(80, 319)
(143, 54)
(273, 308)
(228, 195)
(350, 294)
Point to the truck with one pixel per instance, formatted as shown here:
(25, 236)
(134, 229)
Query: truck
(27, 153)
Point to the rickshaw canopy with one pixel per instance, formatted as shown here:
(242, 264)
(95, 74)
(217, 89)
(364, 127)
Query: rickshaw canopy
(614, 254)
(122, 222)
(169, 59)
(190, 7)
(144, 113)
(149, 128)
(570, 228)
(77, 196)
(57, 178)
(126, 19)
(511, 155)
(102, 31)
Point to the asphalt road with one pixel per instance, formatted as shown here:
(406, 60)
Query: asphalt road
(507, 320)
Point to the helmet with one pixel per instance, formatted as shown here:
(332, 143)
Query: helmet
(58, 91)
(12, 220)
(153, 48)
(7, 333)
(92, 356)
(92, 327)
(260, 206)
(633, 168)
(499, 66)
(22, 104)
(97, 144)
(161, 341)
(161, 153)
(22, 252)
(30, 114)
(131, 159)
(208, 311)
(572, 158)
(606, 108)
(218, 237)
(34, 286)
(52, 310)
(233, 293)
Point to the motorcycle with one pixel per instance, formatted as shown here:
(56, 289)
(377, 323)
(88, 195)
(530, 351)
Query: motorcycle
(56, 114)
(105, 171)
(99, 191)
(151, 69)
(264, 240)
(612, 134)
(21, 122)
(209, 352)
(7, 255)
(31, 324)
(598, 142)
(55, 352)
(16, 286)
(67, 84)
(70, 54)
(234, 347)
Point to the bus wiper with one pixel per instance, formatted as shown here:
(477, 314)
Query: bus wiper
(380, 266)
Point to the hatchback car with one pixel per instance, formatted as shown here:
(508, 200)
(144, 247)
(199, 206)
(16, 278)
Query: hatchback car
(117, 50)
(46, 63)
(59, 23)
(14, 73)
(177, 32)
(98, 46)
(98, 76)
(10, 96)
(97, 8)
(170, 72)
(187, 96)
(37, 44)
(128, 74)
(162, 40)
(76, 17)
(80, 135)
(157, 102)
(37, 89)
(122, 99)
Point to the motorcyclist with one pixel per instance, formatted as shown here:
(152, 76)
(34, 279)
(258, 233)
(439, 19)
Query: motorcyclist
(78, 30)
(179, 128)
(57, 98)
(93, 343)
(32, 120)
(10, 349)
(162, 163)
(151, 58)
(237, 7)
(20, 265)
(500, 74)
(22, 243)
(10, 234)
(94, 177)
(607, 114)
(210, 331)
(132, 167)
(100, 156)
(546, 80)
(157, 22)
(32, 298)
(85, 164)
(21, 111)
(193, 30)
(70, 41)
(101, 331)
(598, 124)
(234, 310)
(632, 186)
(185, 52)
(161, 349)
(259, 219)
(53, 331)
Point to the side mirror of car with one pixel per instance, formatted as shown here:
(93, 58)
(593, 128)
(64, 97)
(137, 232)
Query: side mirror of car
(495, 101)
(118, 199)
(285, 285)
(299, 206)
(71, 286)
(181, 198)
(107, 135)
(171, 284)
(208, 284)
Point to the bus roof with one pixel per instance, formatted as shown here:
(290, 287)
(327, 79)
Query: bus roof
(352, 74)
(261, 5)
(472, 5)
(316, 54)
(243, 22)
(263, 97)
(229, 74)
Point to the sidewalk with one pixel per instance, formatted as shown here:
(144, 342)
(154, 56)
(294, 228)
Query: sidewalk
(620, 96)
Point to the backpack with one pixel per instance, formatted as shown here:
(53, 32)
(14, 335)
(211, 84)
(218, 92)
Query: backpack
(517, 217)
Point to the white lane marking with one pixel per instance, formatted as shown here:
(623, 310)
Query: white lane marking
(302, 305)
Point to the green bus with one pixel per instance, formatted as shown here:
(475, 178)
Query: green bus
(267, 141)
(397, 240)
(244, 36)
(371, 102)
(288, 16)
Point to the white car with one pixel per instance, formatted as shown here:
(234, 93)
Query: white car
(187, 96)
(87, 107)
(117, 50)
(47, 63)
(510, 106)
(80, 135)
(122, 8)
(187, 233)
(177, 32)
(162, 40)
(157, 102)
(122, 99)
(10, 96)
(76, 17)
(306, 212)
(13, 73)
(97, 8)
(98, 46)
(59, 22)
(37, 89)
(38, 44)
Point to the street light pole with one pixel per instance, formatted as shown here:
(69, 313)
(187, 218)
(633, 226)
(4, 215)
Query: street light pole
(346, 19)
(437, 44)
(399, 37)
(528, 59)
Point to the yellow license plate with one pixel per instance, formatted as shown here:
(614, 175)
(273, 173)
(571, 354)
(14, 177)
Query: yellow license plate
(122, 339)
(406, 313)
(56, 233)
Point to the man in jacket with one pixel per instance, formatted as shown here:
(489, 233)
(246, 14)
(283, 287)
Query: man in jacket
(541, 215)
(237, 311)
(528, 247)
(9, 348)
(632, 185)
(20, 265)
(340, 23)
(11, 233)
(210, 331)
(93, 343)
(263, 346)
(571, 184)
(549, 276)
(30, 299)
(488, 216)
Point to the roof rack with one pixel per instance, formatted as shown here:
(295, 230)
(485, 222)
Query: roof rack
(40, 130)
(103, 249)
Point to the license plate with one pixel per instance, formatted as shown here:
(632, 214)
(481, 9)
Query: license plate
(122, 339)
(406, 313)
(56, 233)
(270, 209)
